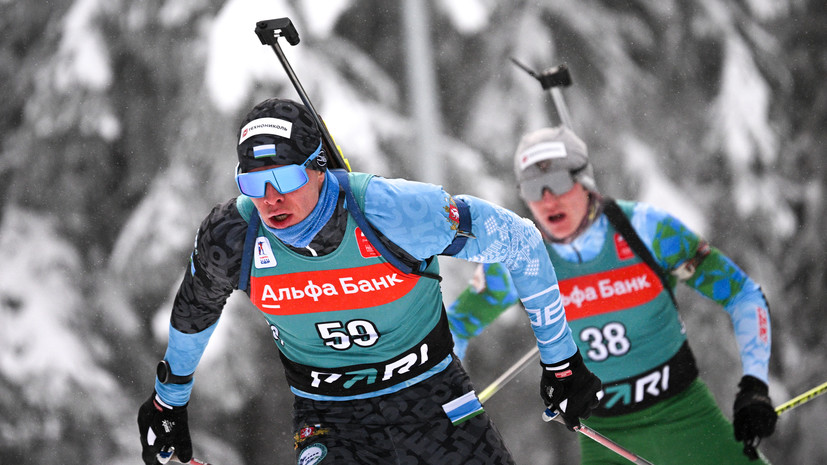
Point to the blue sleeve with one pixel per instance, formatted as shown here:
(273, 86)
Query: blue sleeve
(183, 353)
(417, 217)
(414, 215)
(502, 236)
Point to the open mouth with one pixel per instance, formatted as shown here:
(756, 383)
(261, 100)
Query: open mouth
(279, 218)
(556, 218)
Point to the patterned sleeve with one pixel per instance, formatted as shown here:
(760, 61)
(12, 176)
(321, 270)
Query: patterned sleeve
(501, 236)
(420, 218)
(715, 276)
(211, 277)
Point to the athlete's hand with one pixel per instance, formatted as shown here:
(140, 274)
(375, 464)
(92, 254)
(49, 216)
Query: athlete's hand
(571, 389)
(163, 427)
(754, 416)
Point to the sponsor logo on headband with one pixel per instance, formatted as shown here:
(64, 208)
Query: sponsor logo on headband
(271, 126)
(543, 151)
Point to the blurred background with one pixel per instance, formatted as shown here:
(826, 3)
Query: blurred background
(117, 136)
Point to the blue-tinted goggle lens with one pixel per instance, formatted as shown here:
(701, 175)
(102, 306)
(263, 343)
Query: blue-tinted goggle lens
(284, 179)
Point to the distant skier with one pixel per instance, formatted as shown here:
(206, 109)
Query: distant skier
(366, 348)
(617, 284)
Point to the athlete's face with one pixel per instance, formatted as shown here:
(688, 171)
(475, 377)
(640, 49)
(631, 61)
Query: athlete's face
(560, 215)
(279, 210)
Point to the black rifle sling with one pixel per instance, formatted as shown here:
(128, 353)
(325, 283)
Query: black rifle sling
(621, 223)
(370, 233)
(247, 254)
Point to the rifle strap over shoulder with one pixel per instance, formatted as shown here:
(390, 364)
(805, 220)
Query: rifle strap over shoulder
(621, 223)
(367, 229)
(247, 256)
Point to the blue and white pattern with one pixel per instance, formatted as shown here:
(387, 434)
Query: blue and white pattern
(415, 216)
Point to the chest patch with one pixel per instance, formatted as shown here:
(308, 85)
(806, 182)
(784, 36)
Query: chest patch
(624, 252)
(263, 254)
(365, 247)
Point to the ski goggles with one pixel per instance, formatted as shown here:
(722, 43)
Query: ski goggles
(284, 179)
(558, 182)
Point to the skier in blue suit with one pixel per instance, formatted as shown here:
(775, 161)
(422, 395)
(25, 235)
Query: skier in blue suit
(365, 344)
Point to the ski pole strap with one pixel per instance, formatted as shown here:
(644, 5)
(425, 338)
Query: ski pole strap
(247, 255)
(463, 229)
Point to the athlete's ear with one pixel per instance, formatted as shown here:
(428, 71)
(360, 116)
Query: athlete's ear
(319, 177)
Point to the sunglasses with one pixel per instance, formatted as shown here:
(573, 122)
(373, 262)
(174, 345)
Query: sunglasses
(558, 182)
(284, 179)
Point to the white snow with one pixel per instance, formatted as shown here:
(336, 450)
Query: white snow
(39, 300)
(83, 54)
(744, 133)
(321, 15)
(237, 60)
(468, 16)
(656, 188)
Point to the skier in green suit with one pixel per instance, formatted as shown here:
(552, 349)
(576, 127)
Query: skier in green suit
(618, 263)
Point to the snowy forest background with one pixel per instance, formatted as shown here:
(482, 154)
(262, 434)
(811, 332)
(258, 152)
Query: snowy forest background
(117, 136)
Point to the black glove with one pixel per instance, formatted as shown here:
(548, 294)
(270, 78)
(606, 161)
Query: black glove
(163, 428)
(570, 388)
(754, 416)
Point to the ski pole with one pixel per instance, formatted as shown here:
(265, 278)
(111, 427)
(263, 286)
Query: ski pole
(802, 399)
(268, 32)
(508, 375)
(552, 79)
(548, 415)
(750, 445)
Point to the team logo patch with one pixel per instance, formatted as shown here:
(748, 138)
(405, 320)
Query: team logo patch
(271, 126)
(307, 432)
(453, 214)
(264, 254)
(312, 454)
